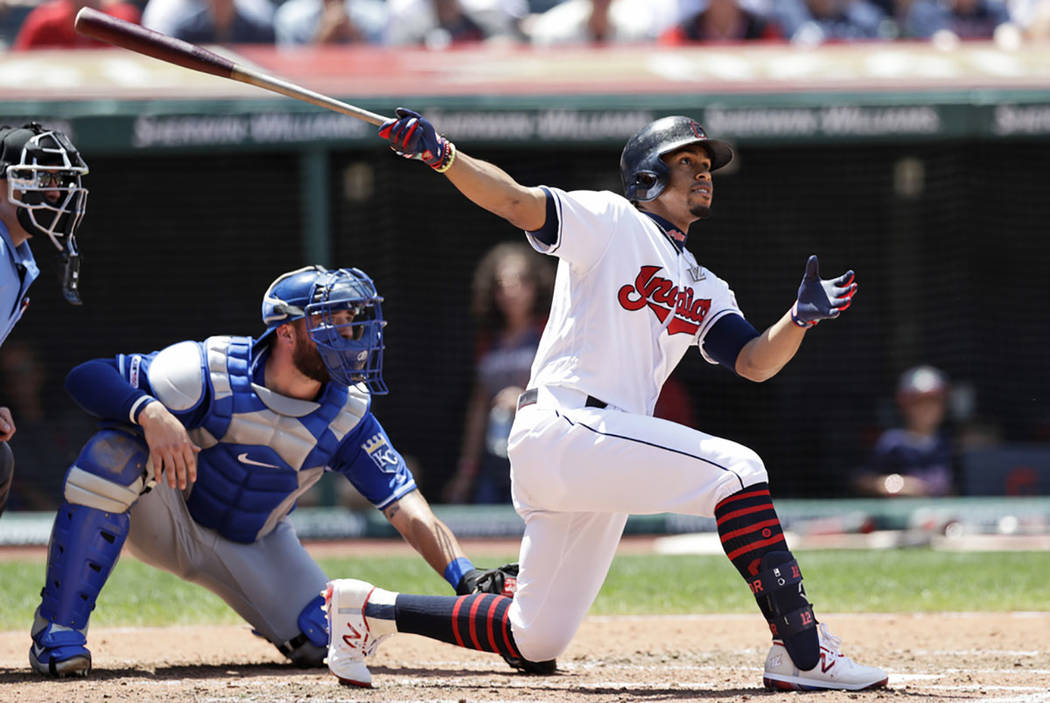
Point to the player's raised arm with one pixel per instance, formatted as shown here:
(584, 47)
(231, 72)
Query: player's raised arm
(413, 137)
(764, 356)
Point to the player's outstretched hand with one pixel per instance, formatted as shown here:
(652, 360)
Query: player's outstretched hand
(819, 299)
(413, 137)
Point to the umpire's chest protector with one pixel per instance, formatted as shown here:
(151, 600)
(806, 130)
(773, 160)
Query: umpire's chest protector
(260, 450)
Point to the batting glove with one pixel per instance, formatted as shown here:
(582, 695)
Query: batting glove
(413, 137)
(821, 300)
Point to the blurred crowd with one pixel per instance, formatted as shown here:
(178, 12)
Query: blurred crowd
(439, 24)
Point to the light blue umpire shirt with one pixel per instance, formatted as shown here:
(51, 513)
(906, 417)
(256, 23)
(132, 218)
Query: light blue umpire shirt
(19, 270)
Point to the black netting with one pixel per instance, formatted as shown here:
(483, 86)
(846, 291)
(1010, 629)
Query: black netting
(948, 241)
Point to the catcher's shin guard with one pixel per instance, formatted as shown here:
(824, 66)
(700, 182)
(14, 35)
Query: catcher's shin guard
(85, 544)
(308, 648)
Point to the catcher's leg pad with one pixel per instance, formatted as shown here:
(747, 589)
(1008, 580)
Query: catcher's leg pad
(91, 526)
(110, 472)
(778, 587)
(309, 647)
(85, 544)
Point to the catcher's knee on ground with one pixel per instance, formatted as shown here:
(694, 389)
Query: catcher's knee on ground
(308, 648)
(7, 473)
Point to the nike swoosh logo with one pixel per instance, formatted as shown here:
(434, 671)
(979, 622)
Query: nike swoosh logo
(243, 458)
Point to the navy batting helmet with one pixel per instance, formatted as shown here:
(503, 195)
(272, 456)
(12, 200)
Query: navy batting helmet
(352, 350)
(644, 173)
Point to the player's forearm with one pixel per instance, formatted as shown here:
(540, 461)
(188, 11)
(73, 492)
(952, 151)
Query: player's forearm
(431, 538)
(492, 188)
(765, 355)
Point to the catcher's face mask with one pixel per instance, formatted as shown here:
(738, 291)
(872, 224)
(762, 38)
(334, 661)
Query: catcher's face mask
(345, 321)
(43, 172)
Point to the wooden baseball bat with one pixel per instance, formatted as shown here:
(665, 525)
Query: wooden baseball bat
(129, 35)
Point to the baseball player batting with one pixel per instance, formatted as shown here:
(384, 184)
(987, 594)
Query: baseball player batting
(629, 301)
(205, 448)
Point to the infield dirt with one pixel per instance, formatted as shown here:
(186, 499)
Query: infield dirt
(950, 657)
(930, 657)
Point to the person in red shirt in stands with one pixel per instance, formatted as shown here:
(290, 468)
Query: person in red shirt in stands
(50, 25)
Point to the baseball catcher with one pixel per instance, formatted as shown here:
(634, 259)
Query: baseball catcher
(203, 450)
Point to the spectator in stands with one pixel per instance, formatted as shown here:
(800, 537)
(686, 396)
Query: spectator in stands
(511, 297)
(956, 19)
(601, 22)
(212, 21)
(50, 24)
(1032, 17)
(722, 21)
(437, 24)
(299, 22)
(819, 21)
(916, 459)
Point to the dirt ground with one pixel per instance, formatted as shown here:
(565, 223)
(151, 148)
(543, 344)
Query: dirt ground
(946, 657)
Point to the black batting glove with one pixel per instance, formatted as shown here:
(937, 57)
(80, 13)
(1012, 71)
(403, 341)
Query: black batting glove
(413, 137)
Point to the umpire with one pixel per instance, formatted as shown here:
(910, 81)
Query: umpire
(40, 195)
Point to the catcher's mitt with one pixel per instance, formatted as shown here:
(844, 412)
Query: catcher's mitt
(502, 581)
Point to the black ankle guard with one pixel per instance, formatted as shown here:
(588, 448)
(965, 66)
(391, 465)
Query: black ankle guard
(770, 583)
(789, 614)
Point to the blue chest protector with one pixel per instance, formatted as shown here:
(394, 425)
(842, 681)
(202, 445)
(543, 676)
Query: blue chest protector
(259, 450)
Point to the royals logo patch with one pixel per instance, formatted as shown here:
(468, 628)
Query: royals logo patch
(664, 299)
(380, 451)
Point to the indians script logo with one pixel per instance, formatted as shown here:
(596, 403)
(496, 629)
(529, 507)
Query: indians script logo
(664, 298)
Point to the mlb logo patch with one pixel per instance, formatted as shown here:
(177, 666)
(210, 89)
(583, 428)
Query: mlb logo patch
(380, 451)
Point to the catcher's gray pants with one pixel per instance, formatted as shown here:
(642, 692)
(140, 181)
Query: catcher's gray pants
(268, 582)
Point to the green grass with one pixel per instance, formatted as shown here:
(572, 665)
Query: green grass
(837, 581)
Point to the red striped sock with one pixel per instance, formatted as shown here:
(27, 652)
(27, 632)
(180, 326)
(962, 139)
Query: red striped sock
(478, 621)
(749, 528)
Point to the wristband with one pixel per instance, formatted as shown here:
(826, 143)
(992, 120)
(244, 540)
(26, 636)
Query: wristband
(455, 570)
(450, 158)
(138, 406)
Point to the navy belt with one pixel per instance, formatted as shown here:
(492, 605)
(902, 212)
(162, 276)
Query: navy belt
(529, 398)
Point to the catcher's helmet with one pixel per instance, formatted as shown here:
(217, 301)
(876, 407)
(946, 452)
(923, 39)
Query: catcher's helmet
(38, 163)
(644, 173)
(352, 351)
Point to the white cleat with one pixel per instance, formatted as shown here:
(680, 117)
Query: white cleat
(360, 616)
(834, 670)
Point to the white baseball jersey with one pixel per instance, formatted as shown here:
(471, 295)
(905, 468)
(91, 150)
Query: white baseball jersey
(627, 303)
